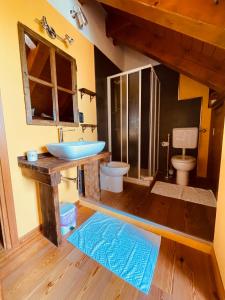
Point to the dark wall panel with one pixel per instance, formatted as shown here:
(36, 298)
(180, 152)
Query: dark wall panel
(115, 119)
(145, 109)
(174, 113)
(103, 67)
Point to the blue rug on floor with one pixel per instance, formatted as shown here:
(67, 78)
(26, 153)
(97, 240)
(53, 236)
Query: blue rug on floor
(129, 252)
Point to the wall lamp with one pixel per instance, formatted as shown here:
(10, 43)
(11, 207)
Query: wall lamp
(52, 33)
(78, 14)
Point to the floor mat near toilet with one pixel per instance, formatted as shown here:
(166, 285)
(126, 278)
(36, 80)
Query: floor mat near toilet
(129, 252)
(186, 193)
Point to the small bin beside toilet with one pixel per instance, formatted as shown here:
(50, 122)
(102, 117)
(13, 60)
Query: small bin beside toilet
(68, 216)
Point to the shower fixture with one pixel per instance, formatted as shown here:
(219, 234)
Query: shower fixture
(167, 144)
(78, 14)
(68, 40)
(133, 122)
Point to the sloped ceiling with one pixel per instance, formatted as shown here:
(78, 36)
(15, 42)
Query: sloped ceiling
(188, 36)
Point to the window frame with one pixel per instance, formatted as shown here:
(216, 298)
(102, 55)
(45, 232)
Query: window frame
(22, 29)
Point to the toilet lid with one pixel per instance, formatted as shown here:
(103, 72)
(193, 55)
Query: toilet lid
(184, 158)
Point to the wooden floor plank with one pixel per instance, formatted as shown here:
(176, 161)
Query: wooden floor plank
(15, 260)
(190, 218)
(192, 274)
(113, 288)
(155, 294)
(95, 284)
(66, 273)
(37, 267)
(129, 292)
(61, 281)
(164, 273)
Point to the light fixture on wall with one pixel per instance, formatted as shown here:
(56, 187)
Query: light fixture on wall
(68, 40)
(78, 14)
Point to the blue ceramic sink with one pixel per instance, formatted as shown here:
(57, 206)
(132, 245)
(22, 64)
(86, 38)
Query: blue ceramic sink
(75, 150)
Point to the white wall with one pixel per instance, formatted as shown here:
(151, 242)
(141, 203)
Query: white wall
(124, 57)
(95, 30)
(134, 59)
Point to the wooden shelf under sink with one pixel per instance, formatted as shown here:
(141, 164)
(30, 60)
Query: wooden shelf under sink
(46, 172)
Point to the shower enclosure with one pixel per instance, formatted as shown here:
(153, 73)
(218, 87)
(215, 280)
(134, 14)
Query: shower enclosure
(133, 121)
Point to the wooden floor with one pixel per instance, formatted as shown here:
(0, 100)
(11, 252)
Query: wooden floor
(39, 270)
(191, 218)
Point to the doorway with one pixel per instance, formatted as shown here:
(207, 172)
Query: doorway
(215, 149)
(8, 228)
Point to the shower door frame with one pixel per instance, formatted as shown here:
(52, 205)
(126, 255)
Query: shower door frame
(138, 180)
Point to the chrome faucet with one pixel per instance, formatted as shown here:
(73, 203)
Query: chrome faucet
(60, 133)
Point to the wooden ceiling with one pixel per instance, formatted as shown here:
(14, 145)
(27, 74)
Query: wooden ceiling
(188, 36)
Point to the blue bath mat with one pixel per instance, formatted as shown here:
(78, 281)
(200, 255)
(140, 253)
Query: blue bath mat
(127, 251)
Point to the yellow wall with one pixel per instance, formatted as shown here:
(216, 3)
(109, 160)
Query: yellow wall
(189, 89)
(219, 237)
(22, 137)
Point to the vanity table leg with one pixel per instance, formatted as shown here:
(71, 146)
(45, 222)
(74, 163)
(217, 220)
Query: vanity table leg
(91, 180)
(50, 212)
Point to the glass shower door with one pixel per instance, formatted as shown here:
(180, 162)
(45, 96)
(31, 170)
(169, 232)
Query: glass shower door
(134, 104)
(115, 119)
(133, 124)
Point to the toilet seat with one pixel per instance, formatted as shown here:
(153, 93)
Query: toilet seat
(115, 168)
(183, 158)
(116, 164)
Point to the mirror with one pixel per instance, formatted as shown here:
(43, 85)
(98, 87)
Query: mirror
(49, 77)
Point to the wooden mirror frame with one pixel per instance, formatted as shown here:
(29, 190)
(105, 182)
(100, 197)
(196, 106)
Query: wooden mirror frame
(22, 29)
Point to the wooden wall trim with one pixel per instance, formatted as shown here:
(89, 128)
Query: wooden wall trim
(7, 210)
(34, 233)
(218, 279)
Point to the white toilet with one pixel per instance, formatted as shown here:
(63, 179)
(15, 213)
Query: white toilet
(184, 138)
(111, 176)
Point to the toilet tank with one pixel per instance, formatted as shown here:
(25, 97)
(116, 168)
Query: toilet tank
(185, 138)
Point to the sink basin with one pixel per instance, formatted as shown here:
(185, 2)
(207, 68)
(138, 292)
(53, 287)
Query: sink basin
(75, 150)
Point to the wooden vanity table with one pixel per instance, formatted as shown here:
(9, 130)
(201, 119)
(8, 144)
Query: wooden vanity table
(46, 171)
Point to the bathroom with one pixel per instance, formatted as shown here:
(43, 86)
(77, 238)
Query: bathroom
(182, 103)
(124, 86)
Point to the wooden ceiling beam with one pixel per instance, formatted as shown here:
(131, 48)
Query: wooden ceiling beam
(118, 24)
(202, 19)
(165, 47)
